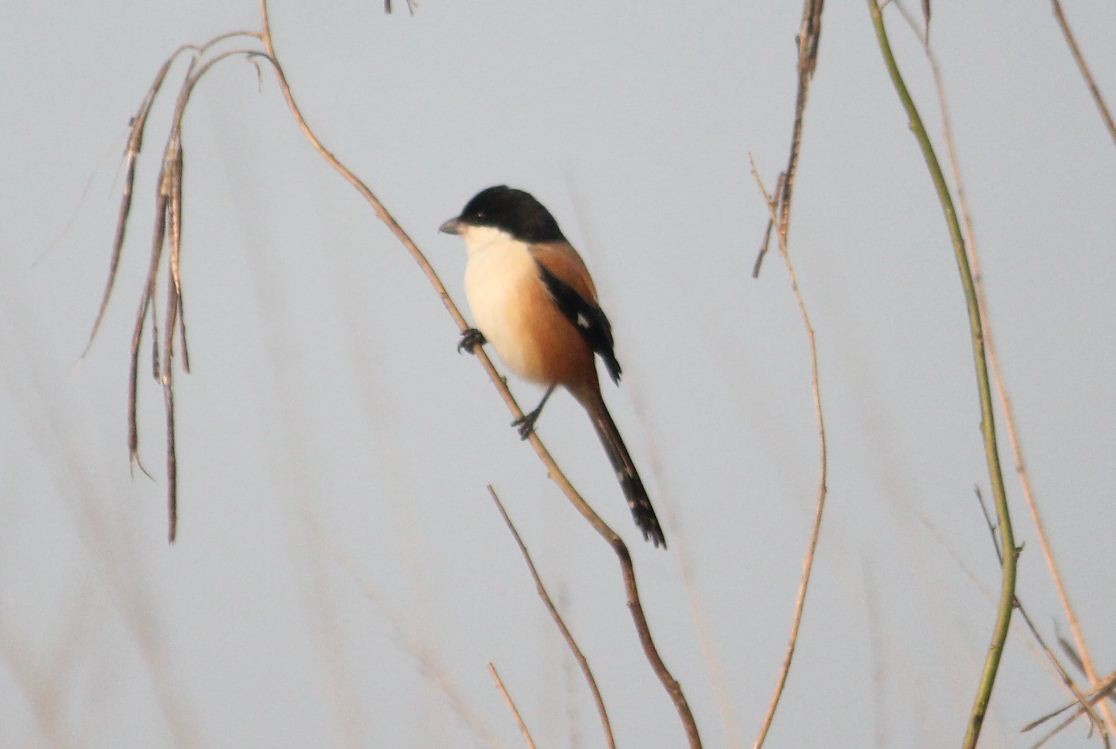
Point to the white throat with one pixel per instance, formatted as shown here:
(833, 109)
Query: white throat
(480, 238)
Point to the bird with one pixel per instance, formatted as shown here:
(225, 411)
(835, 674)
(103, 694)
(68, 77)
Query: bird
(534, 302)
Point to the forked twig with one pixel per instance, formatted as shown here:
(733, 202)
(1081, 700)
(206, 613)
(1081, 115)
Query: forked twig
(823, 469)
(582, 661)
(511, 706)
(807, 40)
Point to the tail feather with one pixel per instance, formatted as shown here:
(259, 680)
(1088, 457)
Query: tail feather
(626, 473)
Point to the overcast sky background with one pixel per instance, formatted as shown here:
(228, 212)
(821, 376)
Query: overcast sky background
(341, 577)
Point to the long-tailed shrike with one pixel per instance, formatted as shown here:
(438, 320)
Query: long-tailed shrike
(534, 301)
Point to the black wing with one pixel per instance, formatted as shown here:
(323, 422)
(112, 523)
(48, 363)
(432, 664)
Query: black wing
(586, 316)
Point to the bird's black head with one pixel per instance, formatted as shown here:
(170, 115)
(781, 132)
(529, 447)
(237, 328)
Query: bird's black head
(514, 211)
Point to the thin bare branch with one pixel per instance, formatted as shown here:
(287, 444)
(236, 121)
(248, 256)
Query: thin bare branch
(807, 40)
(582, 661)
(673, 689)
(527, 740)
(823, 469)
(779, 212)
(766, 243)
(1084, 68)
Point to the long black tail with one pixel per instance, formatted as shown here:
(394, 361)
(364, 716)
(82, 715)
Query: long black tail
(626, 472)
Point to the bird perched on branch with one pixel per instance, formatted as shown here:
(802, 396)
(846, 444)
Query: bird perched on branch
(533, 299)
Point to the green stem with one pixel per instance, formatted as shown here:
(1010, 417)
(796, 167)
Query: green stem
(987, 420)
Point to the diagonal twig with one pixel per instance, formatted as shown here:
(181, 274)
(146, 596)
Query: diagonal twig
(582, 661)
(1084, 68)
(823, 471)
(527, 740)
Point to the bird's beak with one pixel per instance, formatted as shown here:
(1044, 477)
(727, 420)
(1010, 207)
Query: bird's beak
(453, 226)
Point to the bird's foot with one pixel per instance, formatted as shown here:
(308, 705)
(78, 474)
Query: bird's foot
(526, 424)
(470, 339)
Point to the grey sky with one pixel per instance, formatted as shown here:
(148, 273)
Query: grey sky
(341, 577)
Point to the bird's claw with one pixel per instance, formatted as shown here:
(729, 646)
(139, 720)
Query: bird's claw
(470, 339)
(526, 424)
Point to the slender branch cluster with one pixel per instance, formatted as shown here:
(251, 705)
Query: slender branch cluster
(168, 230)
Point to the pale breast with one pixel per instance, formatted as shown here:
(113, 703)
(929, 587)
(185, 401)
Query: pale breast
(513, 310)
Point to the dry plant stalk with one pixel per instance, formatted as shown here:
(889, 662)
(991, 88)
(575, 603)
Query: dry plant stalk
(779, 211)
(997, 375)
(527, 740)
(823, 470)
(1102, 108)
(808, 39)
(582, 661)
(168, 211)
